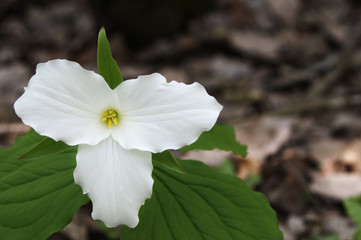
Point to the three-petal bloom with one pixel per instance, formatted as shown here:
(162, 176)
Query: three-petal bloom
(116, 130)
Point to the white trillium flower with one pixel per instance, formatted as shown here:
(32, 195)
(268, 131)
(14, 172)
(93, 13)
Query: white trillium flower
(116, 130)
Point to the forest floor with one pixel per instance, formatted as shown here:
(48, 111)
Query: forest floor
(288, 73)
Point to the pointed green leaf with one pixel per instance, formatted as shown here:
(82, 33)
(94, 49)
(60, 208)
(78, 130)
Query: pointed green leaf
(221, 137)
(227, 167)
(203, 205)
(353, 208)
(357, 234)
(166, 159)
(107, 66)
(37, 198)
(44, 148)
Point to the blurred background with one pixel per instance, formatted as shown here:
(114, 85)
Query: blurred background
(286, 71)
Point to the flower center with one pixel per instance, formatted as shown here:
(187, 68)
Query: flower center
(110, 117)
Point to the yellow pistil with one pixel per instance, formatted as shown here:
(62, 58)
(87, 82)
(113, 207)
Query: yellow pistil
(110, 117)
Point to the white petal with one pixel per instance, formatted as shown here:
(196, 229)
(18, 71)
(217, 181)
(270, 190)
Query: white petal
(118, 181)
(65, 102)
(156, 115)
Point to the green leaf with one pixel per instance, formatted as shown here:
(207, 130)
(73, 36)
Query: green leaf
(107, 66)
(221, 137)
(227, 167)
(252, 180)
(357, 235)
(353, 208)
(203, 204)
(167, 160)
(37, 198)
(46, 147)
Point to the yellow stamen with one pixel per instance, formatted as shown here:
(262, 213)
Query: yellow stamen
(110, 117)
